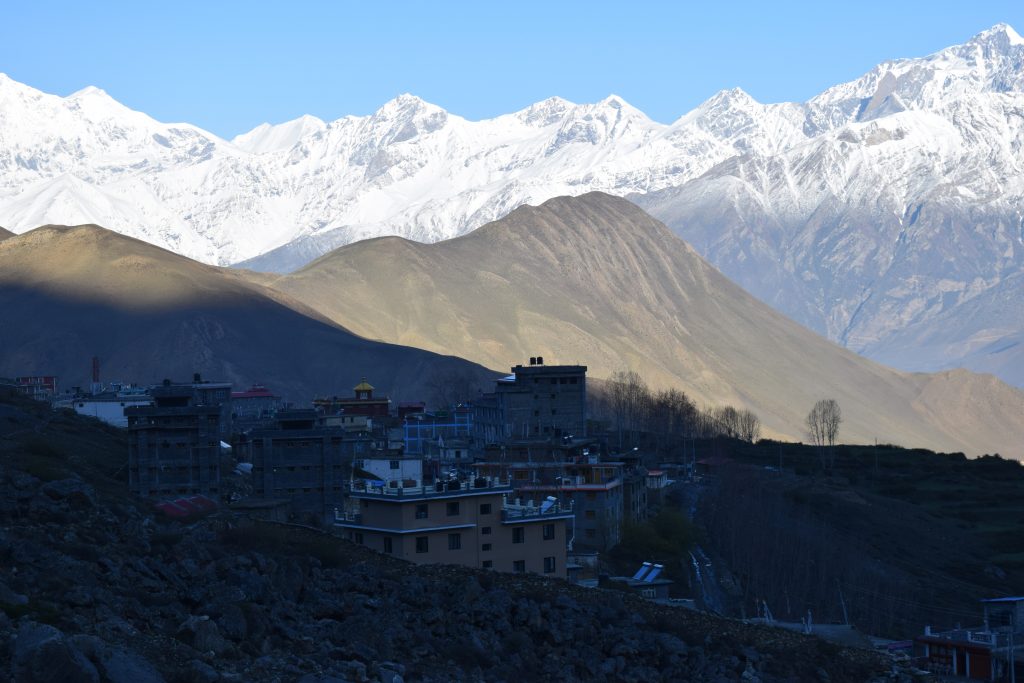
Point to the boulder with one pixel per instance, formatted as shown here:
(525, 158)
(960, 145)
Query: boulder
(42, 653)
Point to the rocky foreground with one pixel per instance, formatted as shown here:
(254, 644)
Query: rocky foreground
(93, 587)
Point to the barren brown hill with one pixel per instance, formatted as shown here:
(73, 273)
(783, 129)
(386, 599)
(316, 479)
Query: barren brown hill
(4, 234)
(595, 280)
(70, 293)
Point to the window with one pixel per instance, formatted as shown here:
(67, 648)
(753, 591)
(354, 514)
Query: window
(454, 541)
(485, 530)
(549, 532)
(453, 509)
(590, 514)
(485, 509)
(590, 533)
(422, 544)
(518, 535)
(487, 564)
(394, 464)
(647, 593)
(387, 545)
(549, 565)
(486, 547)
(519, 566)
(421, 511)
(359, 538)
(536, 413)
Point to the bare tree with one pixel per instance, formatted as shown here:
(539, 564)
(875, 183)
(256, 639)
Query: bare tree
(748, 426)
(823, 427)
(451, 387)
(630, 402)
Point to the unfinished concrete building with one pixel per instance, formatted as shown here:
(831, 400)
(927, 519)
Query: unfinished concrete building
(174, 444)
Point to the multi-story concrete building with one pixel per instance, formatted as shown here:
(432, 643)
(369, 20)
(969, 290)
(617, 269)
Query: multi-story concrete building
(38, 387)
(535, 401)
(302, 460)
(593, 488)
(473, 523)
(108, 403)
(174, 444)
(254, 407)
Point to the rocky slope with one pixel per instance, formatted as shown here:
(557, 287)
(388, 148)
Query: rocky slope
(595, 280)
(71, 293)
(94, 588)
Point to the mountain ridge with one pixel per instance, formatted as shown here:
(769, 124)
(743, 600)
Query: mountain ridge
(877, 205)
(72, 292)
(595, 280)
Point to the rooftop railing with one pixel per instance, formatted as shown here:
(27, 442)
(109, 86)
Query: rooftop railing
(416, 489)
(519, 511)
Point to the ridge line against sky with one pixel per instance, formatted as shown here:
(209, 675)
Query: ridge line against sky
(228, 67)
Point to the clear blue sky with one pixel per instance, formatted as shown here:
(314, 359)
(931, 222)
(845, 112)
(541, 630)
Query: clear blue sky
(229, 66)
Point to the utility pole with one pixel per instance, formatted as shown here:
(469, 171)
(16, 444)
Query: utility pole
(842, 603)
(1013, 657)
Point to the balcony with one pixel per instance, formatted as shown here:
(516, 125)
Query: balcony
(520, 512)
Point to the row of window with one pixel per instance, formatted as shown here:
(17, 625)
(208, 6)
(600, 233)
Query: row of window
(559, 380)
(452, 509)
(455, 540)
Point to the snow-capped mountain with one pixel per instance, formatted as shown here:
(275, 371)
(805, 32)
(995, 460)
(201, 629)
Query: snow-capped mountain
(902, 206)
(877, 205)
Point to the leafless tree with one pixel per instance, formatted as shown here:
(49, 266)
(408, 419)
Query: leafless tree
(451, 387)
(748, 425)
(630, 402)
(823, 427)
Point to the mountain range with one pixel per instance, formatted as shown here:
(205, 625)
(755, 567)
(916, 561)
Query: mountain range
(595, 280)
(881, 212)
(70, 293)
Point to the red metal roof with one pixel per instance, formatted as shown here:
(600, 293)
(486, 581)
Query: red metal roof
(255, 391)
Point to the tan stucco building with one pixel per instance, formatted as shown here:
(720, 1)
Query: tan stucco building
(473, 523)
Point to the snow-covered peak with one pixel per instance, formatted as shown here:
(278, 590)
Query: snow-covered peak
(88, 91)
(406, 105)
(733, 97)
(269, 138)
(1000, 35)
(405, 117)
(990, 62)
(546, 112)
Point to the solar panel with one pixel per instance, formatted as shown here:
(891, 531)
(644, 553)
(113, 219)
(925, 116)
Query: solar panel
(643, 570)
(654, 573)
(547, 504)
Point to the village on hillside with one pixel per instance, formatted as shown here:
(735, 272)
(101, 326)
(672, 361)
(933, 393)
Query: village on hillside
(521, 479)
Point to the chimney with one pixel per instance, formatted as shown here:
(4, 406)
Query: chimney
(533, 360)
(540, 360)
